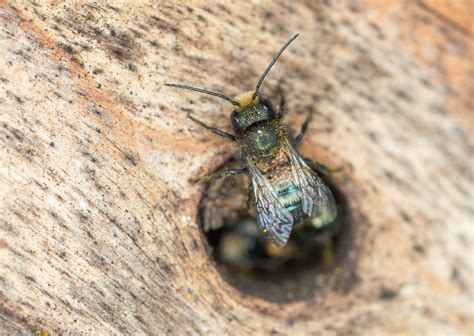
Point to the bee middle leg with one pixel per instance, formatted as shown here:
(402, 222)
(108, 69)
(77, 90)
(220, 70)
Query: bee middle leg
(212, 129)
(223, 174)
(321, 168)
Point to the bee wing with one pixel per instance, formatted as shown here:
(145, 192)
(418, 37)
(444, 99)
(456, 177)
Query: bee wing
(274, 220)
(317, 199)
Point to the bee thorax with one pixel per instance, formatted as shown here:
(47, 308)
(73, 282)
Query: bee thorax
(279, 174)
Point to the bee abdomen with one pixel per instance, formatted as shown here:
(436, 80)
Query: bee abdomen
(289, 196)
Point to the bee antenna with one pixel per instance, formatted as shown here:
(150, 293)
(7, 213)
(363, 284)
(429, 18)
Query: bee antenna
(267, 70)
(211, 93)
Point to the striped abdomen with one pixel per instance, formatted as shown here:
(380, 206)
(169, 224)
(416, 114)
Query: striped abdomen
(289, 196)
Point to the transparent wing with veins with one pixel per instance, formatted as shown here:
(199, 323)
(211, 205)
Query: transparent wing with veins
(316, 198)
(274, 220)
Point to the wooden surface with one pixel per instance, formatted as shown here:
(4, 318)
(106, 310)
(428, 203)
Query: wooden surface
(97, 214)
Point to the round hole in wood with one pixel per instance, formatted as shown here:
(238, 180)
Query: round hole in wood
(313, 260)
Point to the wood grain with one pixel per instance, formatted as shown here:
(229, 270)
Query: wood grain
(97, 214)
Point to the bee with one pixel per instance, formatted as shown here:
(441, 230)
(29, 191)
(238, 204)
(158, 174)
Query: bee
(286, 188)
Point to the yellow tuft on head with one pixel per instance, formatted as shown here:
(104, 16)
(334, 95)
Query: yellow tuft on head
(246, 98)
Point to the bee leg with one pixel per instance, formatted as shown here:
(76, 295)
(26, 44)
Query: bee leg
(224, 174)
(282, 105)
(322, 169)
(250, 199)
(213, 129)
(304, 128)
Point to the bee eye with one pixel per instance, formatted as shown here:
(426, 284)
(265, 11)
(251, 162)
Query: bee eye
(235, 120)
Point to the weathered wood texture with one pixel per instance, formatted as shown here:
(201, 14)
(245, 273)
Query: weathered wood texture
(97, 214)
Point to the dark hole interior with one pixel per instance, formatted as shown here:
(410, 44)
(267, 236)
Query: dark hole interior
(313, 260)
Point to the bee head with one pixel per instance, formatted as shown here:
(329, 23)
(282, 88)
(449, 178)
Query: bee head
(251, 110)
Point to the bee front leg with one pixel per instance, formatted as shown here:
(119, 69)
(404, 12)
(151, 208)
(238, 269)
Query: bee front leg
(282, 105)
(212, 129)
(304, 128)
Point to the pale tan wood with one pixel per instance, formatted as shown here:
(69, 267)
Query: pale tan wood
(97, 214)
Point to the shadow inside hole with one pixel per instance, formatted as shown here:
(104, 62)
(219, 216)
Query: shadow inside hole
(313, 260)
